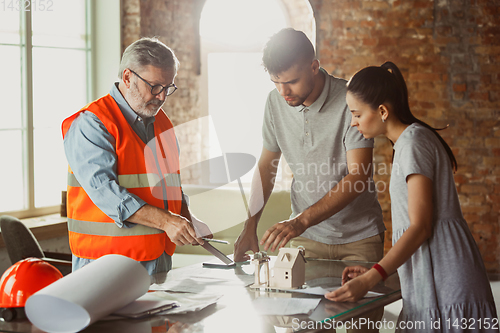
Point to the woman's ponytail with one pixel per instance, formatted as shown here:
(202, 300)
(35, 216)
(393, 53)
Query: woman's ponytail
(385, 84)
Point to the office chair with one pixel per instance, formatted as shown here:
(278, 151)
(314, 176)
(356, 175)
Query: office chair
(21, 244)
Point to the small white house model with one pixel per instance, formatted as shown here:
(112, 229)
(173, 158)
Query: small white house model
(289, 270)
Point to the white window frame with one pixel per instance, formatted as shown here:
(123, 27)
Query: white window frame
(103, 52)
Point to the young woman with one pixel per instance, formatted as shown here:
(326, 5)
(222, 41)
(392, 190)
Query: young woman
(443, 280)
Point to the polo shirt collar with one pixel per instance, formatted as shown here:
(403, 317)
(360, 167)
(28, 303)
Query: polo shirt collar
(125, 108)
(320, 101)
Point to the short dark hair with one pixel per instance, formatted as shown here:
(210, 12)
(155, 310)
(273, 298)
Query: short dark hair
(285, 49)
(148, 51)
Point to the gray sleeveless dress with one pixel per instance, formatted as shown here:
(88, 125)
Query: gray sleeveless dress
(444, 284)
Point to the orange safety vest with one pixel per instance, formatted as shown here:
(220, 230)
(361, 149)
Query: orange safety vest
(92, 233)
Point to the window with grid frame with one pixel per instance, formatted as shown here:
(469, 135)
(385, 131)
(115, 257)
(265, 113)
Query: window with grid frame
(45, 53)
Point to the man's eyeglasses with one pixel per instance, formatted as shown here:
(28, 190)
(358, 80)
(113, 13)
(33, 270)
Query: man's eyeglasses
(158, 88)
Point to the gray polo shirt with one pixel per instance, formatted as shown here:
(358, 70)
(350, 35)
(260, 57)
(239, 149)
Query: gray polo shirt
(314, 141)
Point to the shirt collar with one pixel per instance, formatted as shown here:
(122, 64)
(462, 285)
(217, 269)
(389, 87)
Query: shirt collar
(125, 108)
(320, 101)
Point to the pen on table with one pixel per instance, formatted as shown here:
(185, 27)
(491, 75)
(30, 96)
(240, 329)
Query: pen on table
(215, 240)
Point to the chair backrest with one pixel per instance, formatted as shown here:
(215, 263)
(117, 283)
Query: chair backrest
(19, 240)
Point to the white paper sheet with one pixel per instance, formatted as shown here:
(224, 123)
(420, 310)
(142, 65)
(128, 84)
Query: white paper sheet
(320, 291)
(285, 306)
(368, 294)
(187, 302)
(197, 284)
(92, 292)
(222, 275)
(146, 305)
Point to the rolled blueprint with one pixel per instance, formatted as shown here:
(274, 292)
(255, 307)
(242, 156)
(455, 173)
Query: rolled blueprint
(88, 294)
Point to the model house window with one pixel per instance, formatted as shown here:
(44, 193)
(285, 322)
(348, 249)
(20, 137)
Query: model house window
(45, 53)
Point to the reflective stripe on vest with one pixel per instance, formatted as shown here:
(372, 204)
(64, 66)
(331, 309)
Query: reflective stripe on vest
(109, 229)
(148, 172)
(137, 180)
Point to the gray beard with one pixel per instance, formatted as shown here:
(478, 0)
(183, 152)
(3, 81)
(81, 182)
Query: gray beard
(146, 113)
(142, 110)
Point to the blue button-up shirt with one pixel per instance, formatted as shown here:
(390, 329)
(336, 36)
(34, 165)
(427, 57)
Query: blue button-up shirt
(88, 140)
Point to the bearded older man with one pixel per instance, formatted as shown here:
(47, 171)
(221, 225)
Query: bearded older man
(124, 190)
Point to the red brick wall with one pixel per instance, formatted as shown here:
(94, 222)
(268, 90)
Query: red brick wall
(448, 51)
(174, 22)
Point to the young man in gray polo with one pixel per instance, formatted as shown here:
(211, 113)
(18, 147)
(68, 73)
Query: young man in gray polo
(335, 211)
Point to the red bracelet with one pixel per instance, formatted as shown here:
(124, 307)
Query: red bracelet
(381, 271)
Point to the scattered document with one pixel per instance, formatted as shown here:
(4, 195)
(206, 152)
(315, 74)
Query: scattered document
(246, 279)
(320, 291)
(161, 303)
(186, 302)
(146, 305)
(197, 284)
(285, 306)
(94, 291)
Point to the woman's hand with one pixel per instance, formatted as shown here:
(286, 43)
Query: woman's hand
(352, 272)
(354, 289)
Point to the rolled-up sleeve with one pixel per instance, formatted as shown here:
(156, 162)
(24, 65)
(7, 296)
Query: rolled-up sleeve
(90, 151)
